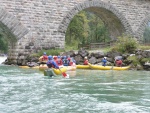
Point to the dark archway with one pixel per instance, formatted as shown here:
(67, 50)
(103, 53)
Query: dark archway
(142, 26)
(113, 19)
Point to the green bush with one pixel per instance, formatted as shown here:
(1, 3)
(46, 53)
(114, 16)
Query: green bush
(145, 60)
(144, 47)
(134, 60)
(125, 44)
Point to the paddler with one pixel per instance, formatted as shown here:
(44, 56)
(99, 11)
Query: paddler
(43, 59)
(85, 61)
(51, 64)
(104, 61)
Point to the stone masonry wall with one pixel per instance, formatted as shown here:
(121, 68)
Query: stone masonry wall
(42, 23)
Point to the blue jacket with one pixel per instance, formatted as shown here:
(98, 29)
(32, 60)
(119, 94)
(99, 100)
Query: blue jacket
(104, 62)
(65, 62)
(52, 63)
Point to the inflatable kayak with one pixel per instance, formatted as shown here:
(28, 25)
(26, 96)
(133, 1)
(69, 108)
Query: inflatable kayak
(82, 66)
(43, 67)
(98, 67)
(27, 67)
(56, 71)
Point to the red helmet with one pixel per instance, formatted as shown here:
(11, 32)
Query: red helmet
(55, 57)
(69, 58)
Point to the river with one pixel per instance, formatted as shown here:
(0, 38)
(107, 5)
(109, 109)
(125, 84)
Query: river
(29, 91)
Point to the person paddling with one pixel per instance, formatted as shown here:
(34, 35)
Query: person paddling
(104, 61)
(43, 59)
(59, 61)
(65, 61)
(51, 64)
(118, 62)
(85, 61)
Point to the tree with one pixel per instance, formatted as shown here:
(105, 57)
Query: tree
(147, 35)
(3, 44)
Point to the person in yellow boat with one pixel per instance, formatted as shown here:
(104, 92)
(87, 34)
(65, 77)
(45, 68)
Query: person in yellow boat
(104, 61)
(43, 59)
(118, 62)
(51, 64)
(85, 61)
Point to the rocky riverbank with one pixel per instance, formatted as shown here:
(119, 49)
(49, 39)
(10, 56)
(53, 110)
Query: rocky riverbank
(139, 59)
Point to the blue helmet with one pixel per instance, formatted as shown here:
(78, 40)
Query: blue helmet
(58, 56)
(44, 53)
(50, 57)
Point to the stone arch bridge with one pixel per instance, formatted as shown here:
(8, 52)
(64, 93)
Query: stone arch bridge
(38, 24)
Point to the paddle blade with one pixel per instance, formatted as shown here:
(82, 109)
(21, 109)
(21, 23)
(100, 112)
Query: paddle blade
(64, 74)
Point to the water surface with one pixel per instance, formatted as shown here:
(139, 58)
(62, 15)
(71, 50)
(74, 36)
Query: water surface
(28, 91)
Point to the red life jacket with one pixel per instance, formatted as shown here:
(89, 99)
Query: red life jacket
(59, 62)
(86, 62)
(45, 58)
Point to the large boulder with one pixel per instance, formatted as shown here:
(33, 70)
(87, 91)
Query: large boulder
(99, 54)
(113, 54)
(83, 53)
(92, 60)
(79, 59)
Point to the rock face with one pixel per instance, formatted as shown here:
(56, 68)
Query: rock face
(96, 58)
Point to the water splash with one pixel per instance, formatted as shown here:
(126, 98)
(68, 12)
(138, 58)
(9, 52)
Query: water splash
(2, 59)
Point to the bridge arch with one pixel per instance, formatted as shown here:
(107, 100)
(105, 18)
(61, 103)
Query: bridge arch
(114, 20)
(12, 25)
(141, 29)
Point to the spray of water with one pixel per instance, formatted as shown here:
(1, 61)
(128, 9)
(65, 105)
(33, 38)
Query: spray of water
(2, 59)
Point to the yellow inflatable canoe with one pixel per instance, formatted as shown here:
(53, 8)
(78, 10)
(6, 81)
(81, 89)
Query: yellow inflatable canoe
(82, 66)
(98, 67)
(43, 67)
(27, 67)
(56, 71)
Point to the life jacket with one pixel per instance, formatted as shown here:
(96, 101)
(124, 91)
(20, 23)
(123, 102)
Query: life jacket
(59, 62)
(49, 64)
(119, 62)
(65, 62)
(71, 63)
(86, 62)
(44, 58)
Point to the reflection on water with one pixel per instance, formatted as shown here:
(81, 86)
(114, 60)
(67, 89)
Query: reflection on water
(86, 91)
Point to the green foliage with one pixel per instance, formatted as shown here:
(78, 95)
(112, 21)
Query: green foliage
(145, 60)
(72, 46)
(77, 29)
(144, 47)
(125, 44)
(3, 44)
(146, 35)
(85, 28)
(134, 60)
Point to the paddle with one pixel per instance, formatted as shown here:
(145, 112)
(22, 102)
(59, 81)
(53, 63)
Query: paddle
(64, 74)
